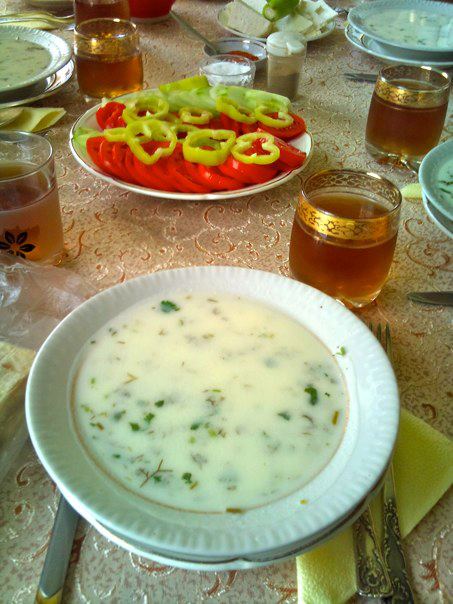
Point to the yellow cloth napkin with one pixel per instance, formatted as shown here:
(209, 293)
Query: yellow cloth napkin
(423, 470)
(34, 119)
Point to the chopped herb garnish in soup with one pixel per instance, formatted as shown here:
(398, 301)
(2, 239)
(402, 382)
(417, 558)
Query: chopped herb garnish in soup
(221, 423)
(21, 61)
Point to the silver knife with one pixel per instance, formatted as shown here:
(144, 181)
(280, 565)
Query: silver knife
(434, 298)
(51, 583)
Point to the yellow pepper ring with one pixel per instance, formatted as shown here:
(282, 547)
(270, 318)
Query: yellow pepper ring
(154, 106)
(138, 133)
(192, 115)
(234, 111)
(221, 140)
(245, 142)
(284, 118)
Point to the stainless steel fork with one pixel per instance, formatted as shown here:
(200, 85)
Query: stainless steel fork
(391, 544)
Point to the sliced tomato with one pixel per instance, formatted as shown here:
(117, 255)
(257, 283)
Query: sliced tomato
(177, 170)
(297, 128)
(104, 113)
(247, 128)
(108, 162)
(93, 145)
(290, 157)
(229, 124)
(215, 124)
(252, 174)
(217, 181)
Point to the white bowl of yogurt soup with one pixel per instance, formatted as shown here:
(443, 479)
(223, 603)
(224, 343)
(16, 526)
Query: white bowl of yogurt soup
(214, 414)
(27, 58)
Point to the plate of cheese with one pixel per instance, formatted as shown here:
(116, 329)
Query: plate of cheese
(245, 18)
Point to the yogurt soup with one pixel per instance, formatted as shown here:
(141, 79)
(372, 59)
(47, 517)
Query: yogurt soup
(208, 403)
(21, 61)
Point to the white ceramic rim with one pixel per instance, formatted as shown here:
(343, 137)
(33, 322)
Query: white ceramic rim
(357, 18)
(363, 42)
(62, 77)
(354, 470)
(59, 50)
(325, 31)
(428, 176)
(88, 120)
(436, 216)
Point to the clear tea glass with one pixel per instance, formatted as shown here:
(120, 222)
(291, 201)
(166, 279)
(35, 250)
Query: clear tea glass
(108, 58)
(407, 113)
(97, 9)
(228, 70)
(344, 234)
(30, 218)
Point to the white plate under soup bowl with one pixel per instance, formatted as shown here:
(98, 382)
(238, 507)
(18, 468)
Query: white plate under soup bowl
(349, 476)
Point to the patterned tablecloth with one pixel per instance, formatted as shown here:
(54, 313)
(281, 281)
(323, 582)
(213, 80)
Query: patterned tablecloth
(112, 235)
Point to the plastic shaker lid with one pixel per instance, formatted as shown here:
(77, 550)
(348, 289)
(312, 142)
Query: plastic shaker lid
(285, 44)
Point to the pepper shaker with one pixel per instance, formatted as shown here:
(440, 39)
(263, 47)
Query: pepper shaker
(286, 53)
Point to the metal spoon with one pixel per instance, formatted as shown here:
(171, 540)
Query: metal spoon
(9, 115)
(183, 23)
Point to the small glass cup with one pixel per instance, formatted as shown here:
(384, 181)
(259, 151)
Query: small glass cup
(30, 217)
(108, 58)
(230, 70)
(154, 11)
(96, 9)
(344, 234)
(407, 113)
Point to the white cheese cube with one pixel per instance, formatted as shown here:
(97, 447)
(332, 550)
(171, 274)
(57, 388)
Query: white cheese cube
(240, 17)
(295, 22)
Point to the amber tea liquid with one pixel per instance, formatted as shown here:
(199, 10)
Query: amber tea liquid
(96, 9)
(30, 219)
(403, 131)
(100, 76)
(352, 270)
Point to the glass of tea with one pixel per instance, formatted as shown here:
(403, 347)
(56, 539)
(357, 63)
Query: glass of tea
(30, 218)
(96, 9)
(108, 58)
(344, 234)
(407, 113)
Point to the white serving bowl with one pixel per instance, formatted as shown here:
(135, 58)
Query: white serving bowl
(274, 531)
(254, 47)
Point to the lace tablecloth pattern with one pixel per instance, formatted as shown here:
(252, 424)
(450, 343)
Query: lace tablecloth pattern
(112, 235)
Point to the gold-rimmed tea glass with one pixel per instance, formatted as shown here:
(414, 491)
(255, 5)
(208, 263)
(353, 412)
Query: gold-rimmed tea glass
(344, 234)
(108, 58)
(407, 113)
(30, 217)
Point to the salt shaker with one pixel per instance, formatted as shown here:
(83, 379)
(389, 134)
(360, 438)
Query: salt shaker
(285, 56)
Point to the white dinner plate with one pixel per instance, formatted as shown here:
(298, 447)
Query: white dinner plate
(442, 222)
(59, 55)
(429, 171)
(407, 24)
(272, 530)
(88, 120)
(389, 53)
(222, 20)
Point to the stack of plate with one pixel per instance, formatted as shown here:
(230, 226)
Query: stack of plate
(260, 535)
(436, 178)
(413, 32)
(33, 65)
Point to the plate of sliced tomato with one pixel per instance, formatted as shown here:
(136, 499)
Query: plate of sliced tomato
(198, 167)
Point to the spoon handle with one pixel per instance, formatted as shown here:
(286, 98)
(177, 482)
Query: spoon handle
(183, 23)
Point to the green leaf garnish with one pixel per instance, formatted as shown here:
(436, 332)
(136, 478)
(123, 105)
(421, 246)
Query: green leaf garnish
(313, 394)
(135, 427)
(116, 455)
(168, 306)
(159, 403)
(149, 417)
(195, 425)
(341, 351)
(187, 477)
(118, 415)
(285, 415)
